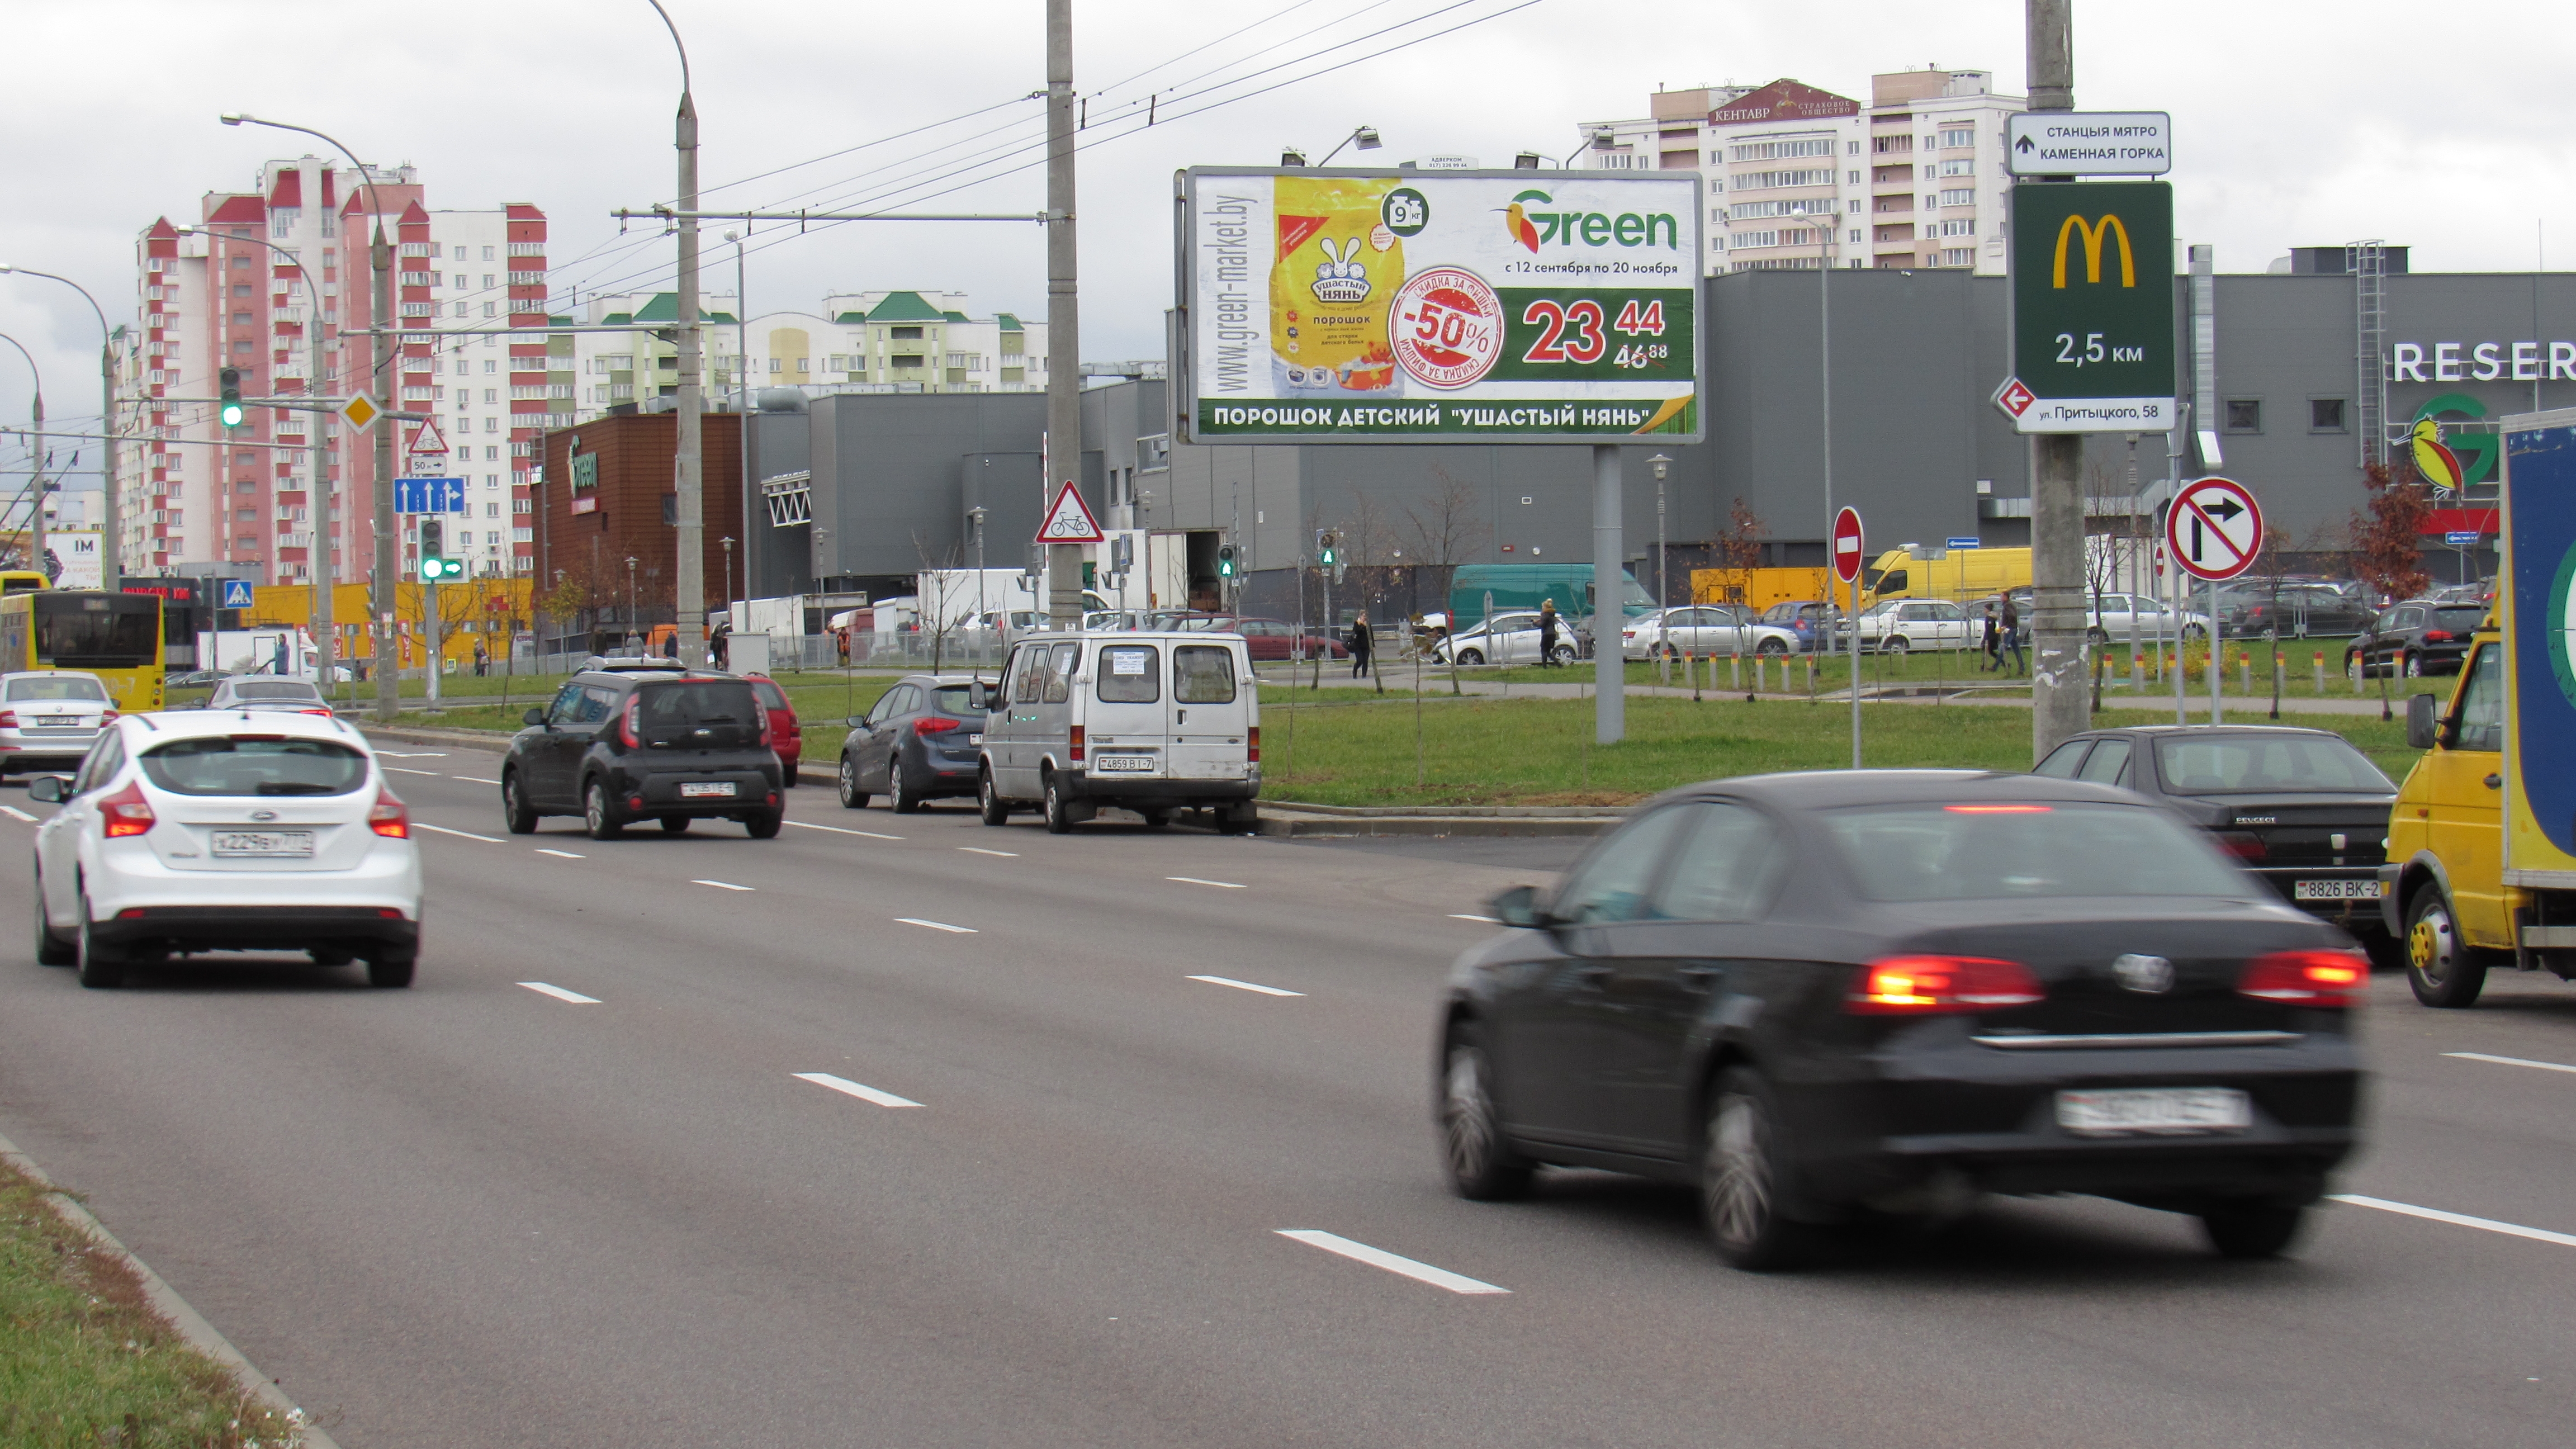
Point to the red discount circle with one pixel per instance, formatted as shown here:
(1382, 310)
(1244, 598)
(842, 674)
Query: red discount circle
(1448, 327)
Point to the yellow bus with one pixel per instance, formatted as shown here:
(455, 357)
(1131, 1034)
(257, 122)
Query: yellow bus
(23, 581)
(114, 636)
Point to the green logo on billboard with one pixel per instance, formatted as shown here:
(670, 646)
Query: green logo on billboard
(1405, 211)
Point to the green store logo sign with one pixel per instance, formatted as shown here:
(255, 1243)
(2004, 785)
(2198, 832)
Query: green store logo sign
(1534, 228)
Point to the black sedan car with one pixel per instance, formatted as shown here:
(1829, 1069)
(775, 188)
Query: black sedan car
(621, 748)
(1821, 996)
(2302, 809)
(2413, 639)
(919, 742)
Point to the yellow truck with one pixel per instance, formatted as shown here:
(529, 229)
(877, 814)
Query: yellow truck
(2481, 863)
(1966, 573)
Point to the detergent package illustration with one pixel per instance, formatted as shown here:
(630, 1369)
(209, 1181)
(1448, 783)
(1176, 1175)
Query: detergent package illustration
(1335, 271)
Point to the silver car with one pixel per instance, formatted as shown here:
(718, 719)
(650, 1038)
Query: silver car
(1512, 639)
(1703, 629)
(260, 692)
(50, 718)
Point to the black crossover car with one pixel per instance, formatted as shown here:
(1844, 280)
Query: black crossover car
(2302, 809)
(1820, 996)
(920, 741)
(2413, 639)
(616, 749)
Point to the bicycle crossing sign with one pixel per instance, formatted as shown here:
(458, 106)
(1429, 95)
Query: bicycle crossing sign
(2215, 528)
(1069, 521)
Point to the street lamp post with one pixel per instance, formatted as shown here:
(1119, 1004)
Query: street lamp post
(110, 575)
(741, 417)
(36, 467)
(689, 576)
(728, 578)
(631, 631)
(380, 256)
(324, 634)
(975, 516)
(1367, 137)
(1663, 585)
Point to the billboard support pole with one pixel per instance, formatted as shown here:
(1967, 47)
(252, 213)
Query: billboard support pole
(1064, 384)
(2059, 703)
(1609, 662)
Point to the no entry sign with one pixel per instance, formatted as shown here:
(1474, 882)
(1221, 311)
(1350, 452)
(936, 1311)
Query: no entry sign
(2215, 528)
(1846, 549)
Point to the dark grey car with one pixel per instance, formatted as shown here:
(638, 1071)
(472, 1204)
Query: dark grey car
(616, 749)
(921, 741)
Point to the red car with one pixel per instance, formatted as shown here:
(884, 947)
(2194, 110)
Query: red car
(1279, 639)
(786, 736)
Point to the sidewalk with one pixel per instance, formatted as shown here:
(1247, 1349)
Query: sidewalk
(2233, 707)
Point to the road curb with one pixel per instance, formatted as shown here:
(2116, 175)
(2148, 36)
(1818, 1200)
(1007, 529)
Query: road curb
(165, 1300)
(1297, 824)
(498, 744)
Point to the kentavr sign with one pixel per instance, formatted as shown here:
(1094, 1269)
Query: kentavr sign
(2482, 362)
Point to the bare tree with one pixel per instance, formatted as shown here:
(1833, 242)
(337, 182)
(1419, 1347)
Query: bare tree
(1449, 524)
(933, 606)
(1737, 549)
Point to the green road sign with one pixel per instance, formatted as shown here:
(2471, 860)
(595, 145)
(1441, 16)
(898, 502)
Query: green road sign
(2093, 306)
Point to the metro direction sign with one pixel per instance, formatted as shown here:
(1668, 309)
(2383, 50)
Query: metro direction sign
(2093, 308)
(2215, 528)
(2088, 143)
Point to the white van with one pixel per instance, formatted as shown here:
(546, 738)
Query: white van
(1146, 722)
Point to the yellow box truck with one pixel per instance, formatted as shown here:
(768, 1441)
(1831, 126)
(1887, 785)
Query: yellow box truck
(2481, 864)
(1963, 574)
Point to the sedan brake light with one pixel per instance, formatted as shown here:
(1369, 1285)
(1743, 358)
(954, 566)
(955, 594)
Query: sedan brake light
(626, 734)
(388, 816)
(2307, 978)
(1941, 985)
(107, 717)
(126, 812)
(2244, 845)
(8, 719)
(931, 724)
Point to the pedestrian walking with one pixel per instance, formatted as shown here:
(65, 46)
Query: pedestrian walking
(482, 660)
(1992, 642)
(722, 645)
(1362, 645)
(2012, 638)
(1548, 624)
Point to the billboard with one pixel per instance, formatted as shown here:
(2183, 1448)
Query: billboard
(2537, 594)
(1437, 306)
(76, 550)
(2093, 307)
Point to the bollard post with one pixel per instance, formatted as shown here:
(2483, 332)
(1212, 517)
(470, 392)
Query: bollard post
(2245, 672)
(1690, 668)
(2321, 674)
(1734, 672)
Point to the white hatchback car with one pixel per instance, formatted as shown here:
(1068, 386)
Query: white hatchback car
(232, 831)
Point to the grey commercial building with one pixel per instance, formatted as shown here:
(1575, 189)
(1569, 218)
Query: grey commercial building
(855, 492)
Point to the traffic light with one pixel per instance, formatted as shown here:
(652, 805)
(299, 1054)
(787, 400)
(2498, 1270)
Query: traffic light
(1327, 548)
(434, 565)
(230, 412)
(1225, 560)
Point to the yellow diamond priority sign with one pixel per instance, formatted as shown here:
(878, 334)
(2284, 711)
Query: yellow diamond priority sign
(360, 411)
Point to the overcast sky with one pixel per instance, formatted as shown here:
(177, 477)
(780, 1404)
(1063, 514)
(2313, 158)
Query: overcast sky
(2442, 127)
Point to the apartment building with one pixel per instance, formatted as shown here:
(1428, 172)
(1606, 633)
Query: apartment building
(1799, 177)
(232, 292)
(859, 342)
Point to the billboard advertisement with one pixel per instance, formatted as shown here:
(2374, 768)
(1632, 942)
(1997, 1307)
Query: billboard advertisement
(2093, 308)
(1438, 306)
(2538, 597)
(76, 549)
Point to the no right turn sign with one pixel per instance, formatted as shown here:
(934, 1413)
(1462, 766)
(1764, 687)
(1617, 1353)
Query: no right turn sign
(2215, 528)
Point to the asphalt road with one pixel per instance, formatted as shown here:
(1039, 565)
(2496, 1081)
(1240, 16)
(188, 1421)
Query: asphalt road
(475, 1213)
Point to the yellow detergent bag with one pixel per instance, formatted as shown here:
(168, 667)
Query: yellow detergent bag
(1335, 275)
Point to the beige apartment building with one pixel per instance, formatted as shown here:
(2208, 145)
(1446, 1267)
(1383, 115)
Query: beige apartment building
(1800, 177)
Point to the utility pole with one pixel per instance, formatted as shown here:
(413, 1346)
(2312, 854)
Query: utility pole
(36, 485)
(2060, 705)
(1064, 346)
(689, 574)
(388, 554)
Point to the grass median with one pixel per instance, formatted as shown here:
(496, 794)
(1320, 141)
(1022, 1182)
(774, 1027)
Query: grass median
(1489, 751)
(84, 1360)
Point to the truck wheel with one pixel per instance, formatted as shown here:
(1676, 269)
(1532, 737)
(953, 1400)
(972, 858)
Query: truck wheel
(2443, 970)
(1059, 820)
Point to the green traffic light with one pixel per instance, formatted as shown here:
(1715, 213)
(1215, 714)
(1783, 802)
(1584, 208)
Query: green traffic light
(230, 412)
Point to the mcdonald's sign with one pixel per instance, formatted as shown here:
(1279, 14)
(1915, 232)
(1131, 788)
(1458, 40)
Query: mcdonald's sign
(2093, 305)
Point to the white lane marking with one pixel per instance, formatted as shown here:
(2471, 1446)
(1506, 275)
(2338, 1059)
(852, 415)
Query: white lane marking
(17, 814)
(1380, 1258)
(937, 925)
(411, 754)
(1245, 986)
(723, 885)
(838, 830)
(979, 850)
(2515, 1230)
(1488, 920)
(863, 1093)
(559, 994)
(474, 780)
(1194, 880)
(467, 834)
(2510, 1061)
(399, 770)
(560, 854)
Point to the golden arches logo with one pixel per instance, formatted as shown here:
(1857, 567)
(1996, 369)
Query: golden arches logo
(2093, 234)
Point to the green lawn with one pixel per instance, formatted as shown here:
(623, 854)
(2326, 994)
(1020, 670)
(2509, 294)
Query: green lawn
(83, 1359)
(1539, 752)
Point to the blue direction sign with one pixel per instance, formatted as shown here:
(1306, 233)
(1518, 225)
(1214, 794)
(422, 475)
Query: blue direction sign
(429, 495)
(236, 594)
(1966, 543)
(2458, 539)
